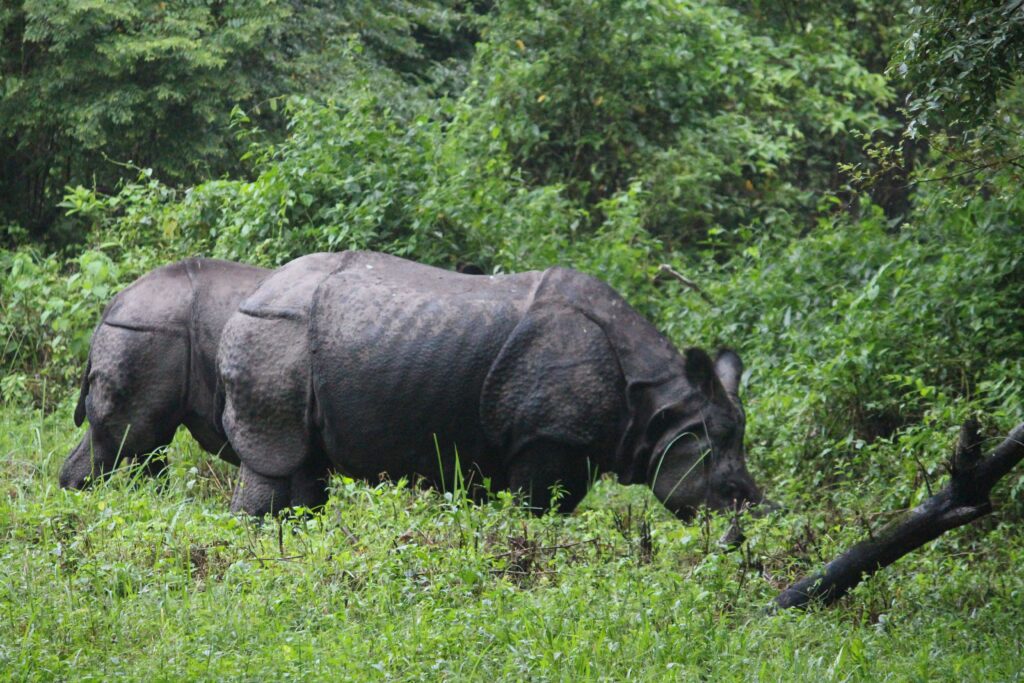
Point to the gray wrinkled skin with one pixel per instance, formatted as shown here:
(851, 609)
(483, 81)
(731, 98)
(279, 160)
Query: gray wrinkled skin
(372, 365)
(152, 366)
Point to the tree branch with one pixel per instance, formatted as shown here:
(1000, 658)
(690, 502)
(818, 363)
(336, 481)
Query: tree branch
(965, 499)
(665, 269)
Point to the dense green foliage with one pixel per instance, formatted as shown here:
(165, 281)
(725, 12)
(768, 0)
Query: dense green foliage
(725, 139)
(960, 64)
(960, 57)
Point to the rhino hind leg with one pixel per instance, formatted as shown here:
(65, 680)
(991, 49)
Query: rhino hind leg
(550, 475)
(265, 415)
(309, 484)
(258, 495)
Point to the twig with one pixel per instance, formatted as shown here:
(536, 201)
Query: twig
(550, 548)
(924, 474)
(221, 486)
(666, 269)
(973, 169)
(517, 572)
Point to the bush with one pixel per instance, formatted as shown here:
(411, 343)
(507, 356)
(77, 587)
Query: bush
(859, 334)
(47, 317)
(725, 128)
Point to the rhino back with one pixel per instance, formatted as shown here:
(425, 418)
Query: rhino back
(159, 300)
(219, 286)
(400, 352)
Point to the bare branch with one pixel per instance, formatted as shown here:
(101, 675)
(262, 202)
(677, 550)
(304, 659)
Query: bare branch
(665, 269)
(974, 168)
(963, 500)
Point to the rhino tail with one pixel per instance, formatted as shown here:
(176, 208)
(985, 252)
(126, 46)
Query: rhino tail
(82, 393)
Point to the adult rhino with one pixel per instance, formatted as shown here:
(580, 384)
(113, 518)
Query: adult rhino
(151, 366)
(366, 364)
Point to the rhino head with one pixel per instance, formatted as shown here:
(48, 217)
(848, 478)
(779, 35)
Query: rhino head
(698, 457)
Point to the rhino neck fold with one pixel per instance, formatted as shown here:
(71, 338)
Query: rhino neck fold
(645, 402)
(652, 368)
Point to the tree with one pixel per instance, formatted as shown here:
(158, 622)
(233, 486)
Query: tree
(961, 65)
(152, 82)
(725, 127)
(960, 58)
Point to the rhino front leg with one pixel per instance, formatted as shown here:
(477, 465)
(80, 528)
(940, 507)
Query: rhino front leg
(548, 474)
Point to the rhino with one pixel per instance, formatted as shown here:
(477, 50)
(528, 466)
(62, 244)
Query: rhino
(151, 367)
(371, 365)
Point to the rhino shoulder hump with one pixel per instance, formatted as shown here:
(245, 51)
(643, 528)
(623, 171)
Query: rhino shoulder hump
(159, 300)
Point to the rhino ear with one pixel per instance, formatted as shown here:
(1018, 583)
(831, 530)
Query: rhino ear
(729, 369)
(700, 370)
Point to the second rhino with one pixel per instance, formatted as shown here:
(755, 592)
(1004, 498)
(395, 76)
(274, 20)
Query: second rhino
(151, 367)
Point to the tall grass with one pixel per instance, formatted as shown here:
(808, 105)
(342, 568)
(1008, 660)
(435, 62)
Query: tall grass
(139, 578)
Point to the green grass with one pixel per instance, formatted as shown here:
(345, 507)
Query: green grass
(158, 581)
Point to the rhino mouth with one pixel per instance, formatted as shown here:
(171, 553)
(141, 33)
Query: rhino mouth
(765, 507)
(73, 482)
(761, 507)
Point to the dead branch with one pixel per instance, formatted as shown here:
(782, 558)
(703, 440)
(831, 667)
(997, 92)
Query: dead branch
(666, 269)
(963, 500)
(550, 548)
